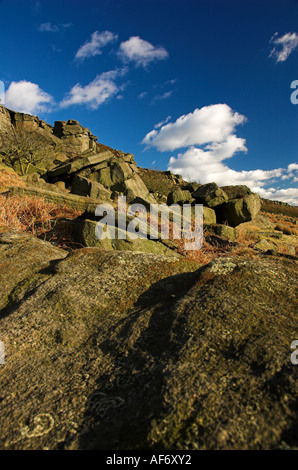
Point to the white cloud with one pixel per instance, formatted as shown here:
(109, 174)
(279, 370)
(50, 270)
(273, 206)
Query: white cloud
(162, 123)
(27, 97)
(95, 45)
(36, 7)
(213, 129)
(142, 95)
(53, 28)
(284, 46)
(141, 52)
(170, 82)
(206, 166)
(289, 195)
(2, 93)
(209, 124)
(164, 96)
(96, 92)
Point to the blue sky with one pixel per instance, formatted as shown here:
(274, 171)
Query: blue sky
(201, 87)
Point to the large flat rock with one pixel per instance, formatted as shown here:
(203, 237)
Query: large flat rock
(121, 350)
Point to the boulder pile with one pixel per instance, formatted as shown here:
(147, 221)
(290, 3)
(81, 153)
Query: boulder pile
(79, 171)
(230, 205)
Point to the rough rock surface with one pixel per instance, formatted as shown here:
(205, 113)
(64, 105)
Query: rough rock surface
(179, 196)
(239, 210)
(75, 138)
(70, 135)
(224, 231)
(209, 216)
(237, 191)
(210, 195)
(120, 350)
(84, 233)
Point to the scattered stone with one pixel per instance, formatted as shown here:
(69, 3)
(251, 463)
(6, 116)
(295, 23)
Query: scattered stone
(209, 216)
(210, 195)
(86, 187)
(223, 231)
(237, 191)
(85, 234)
(237, 211)
(266, 245)
(180, 196)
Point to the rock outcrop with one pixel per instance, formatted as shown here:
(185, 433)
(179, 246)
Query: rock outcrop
(124, 343)
(11, 121)
(92, 170)
(68, 138)
(119, 350)
(239, 210)
(210, 195)
(104, 175)
(75, 138)
(233, 205)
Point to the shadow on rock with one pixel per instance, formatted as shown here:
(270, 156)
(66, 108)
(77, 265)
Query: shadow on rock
(120, 411)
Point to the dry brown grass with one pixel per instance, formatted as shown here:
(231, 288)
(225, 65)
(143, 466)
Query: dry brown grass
(209, 252)
(31, 214)
(8, 179)
(282, 219)
(245, 237)
(204, 255)
(287, 250)
(286, 229)
(280, 209)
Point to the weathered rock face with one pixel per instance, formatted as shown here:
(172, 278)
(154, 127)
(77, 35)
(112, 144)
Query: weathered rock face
(260, 221)
(84, 232)
(135, 188)
(86, 187)
(92, 170)
(209, 216)
(238, 211)
(12, 120)
(223, 231)
(75, 138)
(180, 196)
(120, 350)
(210, 195)
(236, 192)
(5, 120)
(106, 174)
(68, 137)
